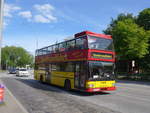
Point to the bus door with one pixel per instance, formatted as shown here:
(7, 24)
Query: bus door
(79, 81)
(48, 73)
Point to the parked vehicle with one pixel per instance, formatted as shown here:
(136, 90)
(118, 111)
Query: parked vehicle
(12, 71)
(22, 72)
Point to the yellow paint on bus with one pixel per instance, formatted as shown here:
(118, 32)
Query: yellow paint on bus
(57, 78)
(100, 84)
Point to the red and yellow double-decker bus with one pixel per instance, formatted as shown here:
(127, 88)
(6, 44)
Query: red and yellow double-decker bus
(85, 63)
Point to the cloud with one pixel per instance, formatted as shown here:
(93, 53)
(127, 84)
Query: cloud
(9, 9)
(26, 14)
(44, 9)
(44, 13)
(40, 14)
(5, 23)
(41, 19)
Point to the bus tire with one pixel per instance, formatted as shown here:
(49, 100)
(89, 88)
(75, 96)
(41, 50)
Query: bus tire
(67, 85)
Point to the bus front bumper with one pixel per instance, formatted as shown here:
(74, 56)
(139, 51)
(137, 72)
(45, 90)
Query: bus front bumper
(100, 89)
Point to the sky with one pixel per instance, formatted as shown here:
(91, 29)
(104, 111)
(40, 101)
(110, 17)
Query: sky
(34, 24)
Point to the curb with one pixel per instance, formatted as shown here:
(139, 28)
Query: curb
(19, 104)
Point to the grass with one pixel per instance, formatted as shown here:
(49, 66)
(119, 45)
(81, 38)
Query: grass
(2, 70)
(2, 104)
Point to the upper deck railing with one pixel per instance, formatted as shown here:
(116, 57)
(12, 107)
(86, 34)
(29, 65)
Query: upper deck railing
(80, 42)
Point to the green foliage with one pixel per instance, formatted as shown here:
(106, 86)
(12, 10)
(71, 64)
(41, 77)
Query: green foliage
(145, 62)
(113, 23)
(143, 19)
(130, 40)
(132, 37)
(15, 57)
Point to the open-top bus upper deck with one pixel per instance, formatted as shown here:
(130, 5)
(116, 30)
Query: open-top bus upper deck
(85, 46)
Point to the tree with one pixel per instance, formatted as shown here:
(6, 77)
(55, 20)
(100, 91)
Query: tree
(15, 57)
(130, 40)
(114, 22)
(143, 19)
(131, 37)
(145, 62)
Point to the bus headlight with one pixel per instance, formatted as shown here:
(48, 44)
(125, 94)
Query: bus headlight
(90, 85)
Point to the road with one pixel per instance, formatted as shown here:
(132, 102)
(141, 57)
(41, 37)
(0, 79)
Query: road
(130, 97)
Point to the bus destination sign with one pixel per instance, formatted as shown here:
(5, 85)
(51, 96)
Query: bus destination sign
(101, 55)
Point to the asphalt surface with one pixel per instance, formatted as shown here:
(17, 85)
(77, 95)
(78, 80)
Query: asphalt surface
(42, 98)
(130, 97)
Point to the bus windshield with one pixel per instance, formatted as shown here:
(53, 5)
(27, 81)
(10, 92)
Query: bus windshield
(100, 43)
(101, 70)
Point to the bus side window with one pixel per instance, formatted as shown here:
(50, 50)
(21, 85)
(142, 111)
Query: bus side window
(54, 67)
(62, 47)
(44, 51)
(81, 43)
(69, 67)
(62, 66)
(36, 67)
(50, 68)
(53, 51)
(40, 52)
(71, 45)
(56, 48)
(49, 49)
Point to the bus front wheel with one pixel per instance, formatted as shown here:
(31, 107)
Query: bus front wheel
(67, 85)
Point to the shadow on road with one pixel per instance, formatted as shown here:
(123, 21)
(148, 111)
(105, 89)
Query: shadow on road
(133, 82)
(52, 88)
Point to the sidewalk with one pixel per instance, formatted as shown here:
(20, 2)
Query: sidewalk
(11, 104)
(134, 82)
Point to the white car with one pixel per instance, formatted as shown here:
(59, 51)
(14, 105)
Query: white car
(22, 72)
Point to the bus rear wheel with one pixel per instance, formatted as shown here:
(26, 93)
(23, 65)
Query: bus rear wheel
(67, 85)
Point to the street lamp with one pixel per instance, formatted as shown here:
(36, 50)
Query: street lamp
(1, 26)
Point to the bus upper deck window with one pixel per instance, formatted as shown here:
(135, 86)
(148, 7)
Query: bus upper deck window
(62, 47)
(81, 43)
(49, 49)
(70, 44)
(56, 48)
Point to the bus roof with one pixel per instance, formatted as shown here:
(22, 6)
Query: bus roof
(92, 34)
